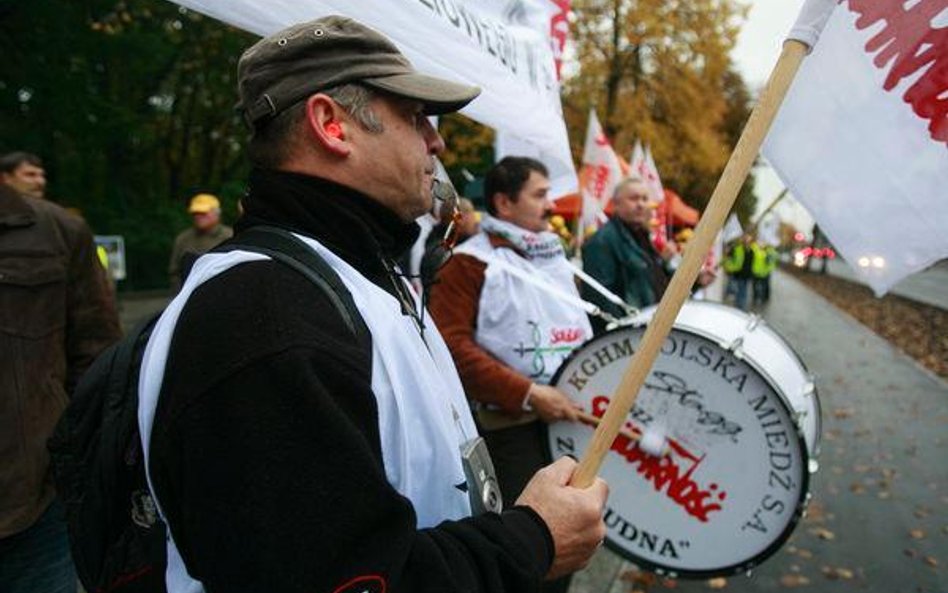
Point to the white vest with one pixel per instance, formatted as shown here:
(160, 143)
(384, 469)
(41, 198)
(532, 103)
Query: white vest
(520, 323)
(423, 417)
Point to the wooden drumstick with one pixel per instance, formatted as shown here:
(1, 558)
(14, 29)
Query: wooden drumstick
(588, 418)
(634, 436)
(678, 290)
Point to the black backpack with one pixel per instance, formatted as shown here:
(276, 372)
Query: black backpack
(117, 538)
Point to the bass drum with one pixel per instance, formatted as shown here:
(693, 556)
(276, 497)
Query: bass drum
(732, 482)
(749, 337)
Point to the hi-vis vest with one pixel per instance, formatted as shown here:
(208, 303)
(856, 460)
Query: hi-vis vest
(517, 322)
(423, 416)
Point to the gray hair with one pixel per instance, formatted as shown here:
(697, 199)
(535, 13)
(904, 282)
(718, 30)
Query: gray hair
(627, 182)
(272, 142)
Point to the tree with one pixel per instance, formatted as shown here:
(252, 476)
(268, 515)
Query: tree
(659, 71)
(130, 104)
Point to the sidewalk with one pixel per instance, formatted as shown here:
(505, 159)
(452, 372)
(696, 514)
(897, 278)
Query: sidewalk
(878, 520)
(929, 286)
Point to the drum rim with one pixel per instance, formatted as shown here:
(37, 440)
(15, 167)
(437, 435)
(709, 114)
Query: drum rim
(818, 407)
(732, 569)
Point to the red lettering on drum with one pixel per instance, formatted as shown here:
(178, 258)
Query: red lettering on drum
(665, 473)
(565, 335)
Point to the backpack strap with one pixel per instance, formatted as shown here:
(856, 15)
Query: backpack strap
(282, 246)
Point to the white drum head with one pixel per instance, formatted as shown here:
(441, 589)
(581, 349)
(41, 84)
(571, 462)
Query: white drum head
(734, 482)
(767, 351)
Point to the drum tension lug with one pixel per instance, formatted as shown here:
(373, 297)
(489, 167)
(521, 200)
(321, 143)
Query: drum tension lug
(809, 389)
(753, 321)
(735, 346)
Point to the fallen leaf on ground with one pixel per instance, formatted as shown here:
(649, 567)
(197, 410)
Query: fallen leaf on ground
(639, 578)
(794, 580)
(931, 561)
(884, 494)
(837, 573)
(857, 488)
(815, 512)
(802, 553)
(917, 533)
(823, 533)
(718, 583)
(842, 413)
(909, 552)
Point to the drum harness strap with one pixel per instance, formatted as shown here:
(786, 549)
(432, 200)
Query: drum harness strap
(534, 279)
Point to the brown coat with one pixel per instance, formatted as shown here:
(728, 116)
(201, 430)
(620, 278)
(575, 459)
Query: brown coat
(56, 314)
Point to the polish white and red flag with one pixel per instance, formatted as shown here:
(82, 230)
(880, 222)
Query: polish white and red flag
(642, 165)
(599, 175)
(862, 137)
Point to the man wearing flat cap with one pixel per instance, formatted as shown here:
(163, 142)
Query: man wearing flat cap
(289, 452)
(206, 233)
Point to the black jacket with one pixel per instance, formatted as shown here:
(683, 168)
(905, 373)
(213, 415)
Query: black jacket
(265, 452)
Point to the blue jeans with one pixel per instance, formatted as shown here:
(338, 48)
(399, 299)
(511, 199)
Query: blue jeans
(38, 560)
(741, 286)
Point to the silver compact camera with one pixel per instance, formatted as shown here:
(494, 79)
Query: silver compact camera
(482, 486)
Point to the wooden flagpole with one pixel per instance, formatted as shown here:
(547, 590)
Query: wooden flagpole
(711, 222)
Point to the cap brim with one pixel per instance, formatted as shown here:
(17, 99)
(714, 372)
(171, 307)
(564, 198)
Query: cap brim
(439, 96)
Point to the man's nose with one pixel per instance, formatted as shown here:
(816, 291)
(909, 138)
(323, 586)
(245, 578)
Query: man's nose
(433, 139)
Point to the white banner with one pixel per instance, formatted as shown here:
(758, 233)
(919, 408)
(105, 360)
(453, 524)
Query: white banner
(502, 46)
(862, 137)
(563, 179)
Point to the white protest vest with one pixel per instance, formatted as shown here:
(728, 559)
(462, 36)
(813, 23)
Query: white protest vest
(423, 417)
(519, 323)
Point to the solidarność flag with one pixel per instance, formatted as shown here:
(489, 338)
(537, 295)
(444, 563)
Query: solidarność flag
(862, 137)
(599, 176)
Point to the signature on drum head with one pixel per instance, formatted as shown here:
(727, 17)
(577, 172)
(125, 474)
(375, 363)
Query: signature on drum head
(675, 386)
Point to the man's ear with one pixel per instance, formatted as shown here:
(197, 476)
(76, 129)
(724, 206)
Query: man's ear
(502, 204)
(327, 123)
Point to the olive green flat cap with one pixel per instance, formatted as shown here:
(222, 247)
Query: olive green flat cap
(292, 64)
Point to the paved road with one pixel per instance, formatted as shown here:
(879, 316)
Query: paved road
(137, 306)
(882, 491)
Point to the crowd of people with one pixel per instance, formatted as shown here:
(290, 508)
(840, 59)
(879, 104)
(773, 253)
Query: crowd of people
(286, 451)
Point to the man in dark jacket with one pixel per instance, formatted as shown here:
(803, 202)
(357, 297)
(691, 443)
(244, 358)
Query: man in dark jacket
(621, 255)
(287, 454)
(56, 315)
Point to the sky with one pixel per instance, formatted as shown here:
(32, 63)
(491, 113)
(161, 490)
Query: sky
(757, 50)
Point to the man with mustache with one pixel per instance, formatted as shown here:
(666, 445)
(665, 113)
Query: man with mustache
(508, 335)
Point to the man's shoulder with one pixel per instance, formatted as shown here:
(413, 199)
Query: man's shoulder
(608, 234)
(73, 227)
(189, 237)
(259, 307)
